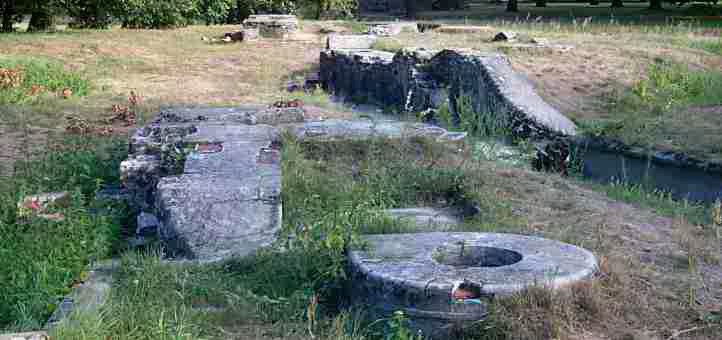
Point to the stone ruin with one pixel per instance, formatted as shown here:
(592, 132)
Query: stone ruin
(443, 282)
(213, 176)
(272, 26)
(418, 80)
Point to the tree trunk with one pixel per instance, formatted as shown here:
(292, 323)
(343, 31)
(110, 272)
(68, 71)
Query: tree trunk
(655, 4)
(8, 14)
(512, 6)
(541, 3)
(617, 3)
(41, 20)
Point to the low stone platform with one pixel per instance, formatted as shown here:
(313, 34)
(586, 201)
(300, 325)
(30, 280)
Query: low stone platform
(273, 26)
(212, 176)
(445, 281)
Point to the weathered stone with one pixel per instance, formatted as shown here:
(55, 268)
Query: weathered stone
(25, 336)
(112, 193)
(504, 36)
(225, 201)
(446, 281)
(88, 296)
(234, 36)
(273, 26)
(250, 34)
(392, 28)
(336, 129)
(416, 80)
(427, 219)
(146, 224)
(41, 203)
(462, 29)
(350, 41)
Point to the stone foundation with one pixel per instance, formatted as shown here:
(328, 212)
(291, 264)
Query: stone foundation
(273, 26)
(418, 80)
(212, 176)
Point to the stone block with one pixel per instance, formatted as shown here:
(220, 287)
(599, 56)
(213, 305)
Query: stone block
(350, 41)
(273, 26)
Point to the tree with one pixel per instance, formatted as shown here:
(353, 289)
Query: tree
(617, 3)
(655, 4)
(88, 13)
(512, 6)
(214, 11)
(541, 3)
(41, 16)
(8, 15)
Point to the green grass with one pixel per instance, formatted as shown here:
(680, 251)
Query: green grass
(711, 46)
(666, 110)
(40, 72)
(40, 259)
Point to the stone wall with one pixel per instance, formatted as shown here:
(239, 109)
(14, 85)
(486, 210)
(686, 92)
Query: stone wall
(417, 80)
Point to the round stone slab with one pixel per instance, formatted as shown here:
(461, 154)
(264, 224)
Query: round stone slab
(442, 280)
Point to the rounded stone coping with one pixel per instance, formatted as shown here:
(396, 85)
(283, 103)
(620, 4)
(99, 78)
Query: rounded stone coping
(409, 260)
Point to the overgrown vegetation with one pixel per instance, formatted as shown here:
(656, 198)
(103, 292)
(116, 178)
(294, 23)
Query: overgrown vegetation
(660, 109)
(24, 79)
(41, 258)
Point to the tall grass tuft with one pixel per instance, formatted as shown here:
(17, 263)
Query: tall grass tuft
(39, 258)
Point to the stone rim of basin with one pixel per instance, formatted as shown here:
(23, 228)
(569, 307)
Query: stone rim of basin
(544, 262)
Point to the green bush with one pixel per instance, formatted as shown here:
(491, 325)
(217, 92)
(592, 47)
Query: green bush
(156, 13)
(88, 13)
(40, 259)
(36, 72)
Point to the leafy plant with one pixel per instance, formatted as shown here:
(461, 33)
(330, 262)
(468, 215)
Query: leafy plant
(156, 13)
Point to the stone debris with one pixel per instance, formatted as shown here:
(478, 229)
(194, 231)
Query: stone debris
(393, 28)
(88, 296)
(504, 36)
(39, 205)
(553, 156)
(234, 36)
(427, 219)
(147, 224)
(25, 336)
(459, 29)
(273, 26)
(350, 41)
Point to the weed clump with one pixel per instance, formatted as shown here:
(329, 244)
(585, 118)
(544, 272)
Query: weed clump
(22, 80)
(39, 258)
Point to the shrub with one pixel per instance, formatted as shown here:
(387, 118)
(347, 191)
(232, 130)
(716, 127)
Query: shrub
(156, 13)
(88, 13)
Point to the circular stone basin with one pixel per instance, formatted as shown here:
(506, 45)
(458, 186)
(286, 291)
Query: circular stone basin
(475, 256)
(442, 281)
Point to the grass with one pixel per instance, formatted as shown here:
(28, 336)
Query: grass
(41, 259)
(37, 76)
